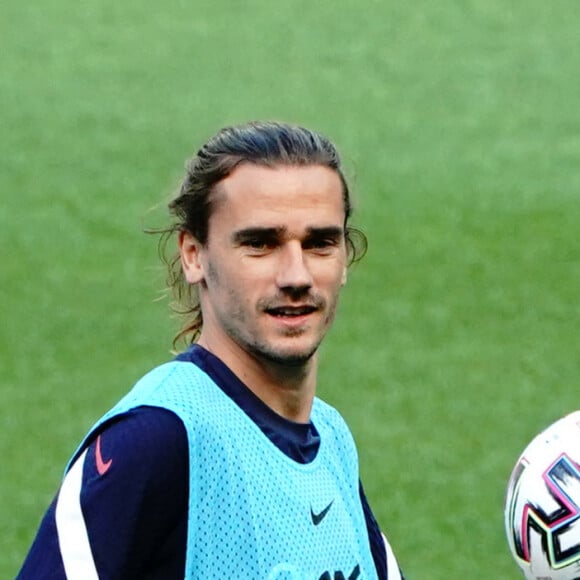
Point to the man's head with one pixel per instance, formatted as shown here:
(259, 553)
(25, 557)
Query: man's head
(263, 144)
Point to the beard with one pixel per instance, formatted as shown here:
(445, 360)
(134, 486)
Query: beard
(283, 348)
(283, 357)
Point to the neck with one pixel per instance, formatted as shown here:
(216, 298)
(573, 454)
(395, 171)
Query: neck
(287, 389)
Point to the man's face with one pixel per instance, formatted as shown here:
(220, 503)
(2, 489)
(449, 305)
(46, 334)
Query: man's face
(274, 262)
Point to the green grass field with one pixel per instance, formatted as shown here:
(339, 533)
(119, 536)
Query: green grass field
(458, 334)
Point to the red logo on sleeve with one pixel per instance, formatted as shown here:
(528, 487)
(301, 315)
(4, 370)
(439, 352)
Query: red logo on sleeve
(102, 466)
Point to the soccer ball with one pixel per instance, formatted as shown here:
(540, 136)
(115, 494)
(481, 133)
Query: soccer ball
(542, 507)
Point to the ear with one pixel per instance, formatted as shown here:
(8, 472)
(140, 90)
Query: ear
(189, 251)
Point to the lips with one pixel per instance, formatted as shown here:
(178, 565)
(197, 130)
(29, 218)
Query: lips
(291, 311)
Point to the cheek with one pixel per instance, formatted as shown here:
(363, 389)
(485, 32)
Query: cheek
(233, 286)
(334, 275)
(212, 274)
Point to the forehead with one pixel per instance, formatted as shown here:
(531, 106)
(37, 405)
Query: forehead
(253, 192)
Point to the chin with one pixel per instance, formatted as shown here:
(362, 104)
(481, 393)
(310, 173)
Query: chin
(293, 357)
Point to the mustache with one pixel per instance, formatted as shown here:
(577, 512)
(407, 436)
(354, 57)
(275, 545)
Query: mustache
(306, 299)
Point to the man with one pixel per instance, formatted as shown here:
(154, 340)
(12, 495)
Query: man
(223, 463)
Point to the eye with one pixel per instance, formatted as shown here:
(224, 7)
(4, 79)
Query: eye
(321, 244)
(256, 240)
(258, 245)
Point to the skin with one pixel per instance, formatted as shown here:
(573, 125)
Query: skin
(270, 276)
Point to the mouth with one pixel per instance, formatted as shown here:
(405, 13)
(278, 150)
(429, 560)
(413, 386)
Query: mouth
(291, 311)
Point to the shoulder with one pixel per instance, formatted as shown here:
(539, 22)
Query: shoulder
(142, 451)
(172, 375)
(166, 391)
(123, 502)
(144, 423)
(333, 428)
(136, 473)
(140, 439)
(181, 386)
(323, 409)
(326, 415)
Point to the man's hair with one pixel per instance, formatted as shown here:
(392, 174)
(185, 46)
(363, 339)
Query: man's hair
(264, 143)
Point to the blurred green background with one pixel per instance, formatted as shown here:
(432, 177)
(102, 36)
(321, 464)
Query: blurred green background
(457, 339)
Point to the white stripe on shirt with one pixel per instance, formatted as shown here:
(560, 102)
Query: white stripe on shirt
(392, 565)
(71, 527)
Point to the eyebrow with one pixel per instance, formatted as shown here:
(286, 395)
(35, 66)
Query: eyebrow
(326, 232)
(247, 233)
(278, 232)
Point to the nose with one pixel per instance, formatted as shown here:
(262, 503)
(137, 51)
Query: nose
(293, 272)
